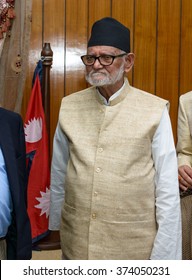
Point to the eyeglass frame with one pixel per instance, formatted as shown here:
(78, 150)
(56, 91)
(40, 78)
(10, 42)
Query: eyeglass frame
(98, 58)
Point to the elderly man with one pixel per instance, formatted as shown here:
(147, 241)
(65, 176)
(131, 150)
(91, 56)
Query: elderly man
(114, 180)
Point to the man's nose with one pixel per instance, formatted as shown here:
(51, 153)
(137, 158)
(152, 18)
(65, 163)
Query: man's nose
(97, 63)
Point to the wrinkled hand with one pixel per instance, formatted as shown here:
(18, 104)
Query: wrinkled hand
(185, 177)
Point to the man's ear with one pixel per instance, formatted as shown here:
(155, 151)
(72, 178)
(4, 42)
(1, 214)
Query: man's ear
(129, 58)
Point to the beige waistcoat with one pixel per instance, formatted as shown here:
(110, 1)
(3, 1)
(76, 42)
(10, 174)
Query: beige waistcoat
(109, 208)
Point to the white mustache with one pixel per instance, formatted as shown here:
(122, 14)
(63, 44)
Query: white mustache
(95, 73)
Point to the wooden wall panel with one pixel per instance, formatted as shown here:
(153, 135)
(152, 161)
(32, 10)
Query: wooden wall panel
(54, 33)
(168, 48)
(97, 10)
(145, 38)
(34, 51)
(76, 43)
(186, 47)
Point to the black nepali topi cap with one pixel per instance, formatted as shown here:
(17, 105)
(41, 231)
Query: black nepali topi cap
(110, 32)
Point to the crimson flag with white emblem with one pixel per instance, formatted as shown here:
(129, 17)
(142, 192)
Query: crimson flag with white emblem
(37, 150)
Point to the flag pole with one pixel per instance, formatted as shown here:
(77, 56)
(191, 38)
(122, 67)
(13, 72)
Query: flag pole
(52, 241)
(47, 59)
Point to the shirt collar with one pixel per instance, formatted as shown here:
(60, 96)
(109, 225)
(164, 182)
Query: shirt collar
(112, 97)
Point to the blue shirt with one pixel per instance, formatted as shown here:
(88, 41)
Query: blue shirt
(5, 199)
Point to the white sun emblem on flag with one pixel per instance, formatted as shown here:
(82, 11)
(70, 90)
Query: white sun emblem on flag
(33, 130)
(44, 202)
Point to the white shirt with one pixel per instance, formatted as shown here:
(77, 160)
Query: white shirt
(167, 244)
(5, 199)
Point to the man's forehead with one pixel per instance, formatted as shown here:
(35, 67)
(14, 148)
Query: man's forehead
(103, 49)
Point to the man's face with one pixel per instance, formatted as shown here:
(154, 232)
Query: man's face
(99, 75)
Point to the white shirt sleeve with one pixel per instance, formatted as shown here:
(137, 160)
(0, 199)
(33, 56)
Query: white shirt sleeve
(167, 244)
(58, 173)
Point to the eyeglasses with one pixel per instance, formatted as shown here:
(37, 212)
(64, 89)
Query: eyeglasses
(104, 60)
